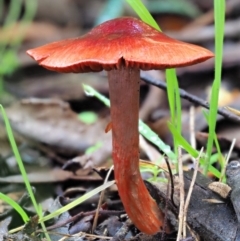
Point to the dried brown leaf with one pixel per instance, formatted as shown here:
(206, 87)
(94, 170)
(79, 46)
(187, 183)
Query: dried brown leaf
(52, 122)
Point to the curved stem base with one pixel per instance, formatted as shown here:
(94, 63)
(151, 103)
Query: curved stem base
(139, 205)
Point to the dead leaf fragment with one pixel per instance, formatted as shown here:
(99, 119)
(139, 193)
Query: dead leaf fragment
(52, 122)
(221, 188)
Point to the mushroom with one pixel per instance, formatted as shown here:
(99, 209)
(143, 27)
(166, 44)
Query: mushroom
(123, 47)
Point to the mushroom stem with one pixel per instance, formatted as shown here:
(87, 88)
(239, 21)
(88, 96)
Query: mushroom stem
(139, 205)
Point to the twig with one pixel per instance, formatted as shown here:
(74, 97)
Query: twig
(100, 201)
(187, 201)
(192, 98)
(181, 188)
(172, 182)
(85, 235)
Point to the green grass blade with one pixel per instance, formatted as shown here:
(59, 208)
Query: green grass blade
(77, 201)
(182, 142)
(143, 13)
(174, 102)
(156, 140)
(16, 206)
(219, 20)
(42, 223)
(21, 167)
(18, 157)
(171, 96)
(190, 150)
(90, 91)
(177, 100)
(220, 156)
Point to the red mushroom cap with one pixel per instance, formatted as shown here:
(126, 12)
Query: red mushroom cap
(123, 41)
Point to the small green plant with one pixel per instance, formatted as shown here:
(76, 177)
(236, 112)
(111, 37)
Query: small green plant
(155, 169)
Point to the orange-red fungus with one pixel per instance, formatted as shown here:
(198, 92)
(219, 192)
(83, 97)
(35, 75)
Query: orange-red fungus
(122, 47)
